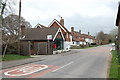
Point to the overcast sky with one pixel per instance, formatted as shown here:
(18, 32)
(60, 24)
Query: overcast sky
(88, 15)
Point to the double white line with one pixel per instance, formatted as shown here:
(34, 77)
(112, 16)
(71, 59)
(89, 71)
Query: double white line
(62, 66)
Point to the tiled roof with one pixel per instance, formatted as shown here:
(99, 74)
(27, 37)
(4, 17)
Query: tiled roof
(40, 33)
(77, 36)
(40, 26)
(63, 26)
(87, 36)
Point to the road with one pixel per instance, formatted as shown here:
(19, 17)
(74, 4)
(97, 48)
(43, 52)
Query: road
(78, 63)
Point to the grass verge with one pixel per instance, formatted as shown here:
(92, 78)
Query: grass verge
(89, 47)
(114, 65)
(10, 57)
(86, 47)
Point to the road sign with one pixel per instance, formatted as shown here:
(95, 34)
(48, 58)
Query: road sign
(49, 37)
(26, 70)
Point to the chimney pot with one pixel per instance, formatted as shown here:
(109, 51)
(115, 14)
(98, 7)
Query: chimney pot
(23, 28)
(72, 29)
(80, 31)
(62, 21)
(88, 33)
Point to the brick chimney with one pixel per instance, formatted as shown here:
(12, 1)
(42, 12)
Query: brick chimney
(88, 33)
(72, 29)
(80, 31)
(62, 21)
(23, 29)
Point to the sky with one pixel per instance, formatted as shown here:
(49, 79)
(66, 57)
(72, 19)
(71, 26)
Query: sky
(86, 15)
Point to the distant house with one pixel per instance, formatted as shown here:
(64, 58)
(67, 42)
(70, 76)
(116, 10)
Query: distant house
(81, 39)
(77, 38)
(89, 39)
(66, 33)
(42, 41)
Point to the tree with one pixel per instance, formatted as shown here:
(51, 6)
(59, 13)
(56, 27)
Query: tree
(113, 33)
(11, 27)
(103, 38)
(101, 35)
(6, 7)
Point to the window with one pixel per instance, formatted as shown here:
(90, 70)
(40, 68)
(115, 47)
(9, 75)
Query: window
(67, 35)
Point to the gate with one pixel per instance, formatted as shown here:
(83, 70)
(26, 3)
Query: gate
(45, 48)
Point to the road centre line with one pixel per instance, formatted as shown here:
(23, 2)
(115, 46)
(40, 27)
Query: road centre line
(62, 66)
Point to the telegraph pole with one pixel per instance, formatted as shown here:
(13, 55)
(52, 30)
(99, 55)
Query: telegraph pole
(19, 27)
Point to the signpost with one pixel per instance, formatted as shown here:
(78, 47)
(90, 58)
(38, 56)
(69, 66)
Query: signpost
(49, 37)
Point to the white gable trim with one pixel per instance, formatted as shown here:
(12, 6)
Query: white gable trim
(38, 25)
(59, 30)
(57, 23)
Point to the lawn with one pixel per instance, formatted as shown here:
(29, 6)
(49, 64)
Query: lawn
(114, 65)
(10, 57)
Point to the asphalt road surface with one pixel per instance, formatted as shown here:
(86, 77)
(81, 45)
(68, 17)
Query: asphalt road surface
(78, 63)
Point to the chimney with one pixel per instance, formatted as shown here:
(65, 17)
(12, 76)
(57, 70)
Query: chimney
(23, 30)
(80, 31)
(62, 21)
(72, 29)
(88, 33)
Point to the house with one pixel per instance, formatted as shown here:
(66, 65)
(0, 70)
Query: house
(89, 39)
(40, 26)
(118, 24)
(66, 33)
(82, 39)
(41, 41)
(77, 38)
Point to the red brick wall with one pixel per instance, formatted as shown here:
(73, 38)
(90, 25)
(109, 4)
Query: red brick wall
(59, 35)
(67, 37)
(56, 25)
(64, 33)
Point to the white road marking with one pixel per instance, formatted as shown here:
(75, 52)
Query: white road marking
(25, 70)
(62, 67)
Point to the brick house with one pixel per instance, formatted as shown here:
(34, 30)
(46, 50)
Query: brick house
(81, 39)
(35, 41)
(66, 33)
(89, 39)
(77, 38)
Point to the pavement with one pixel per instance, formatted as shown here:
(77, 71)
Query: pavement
(78, 63)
